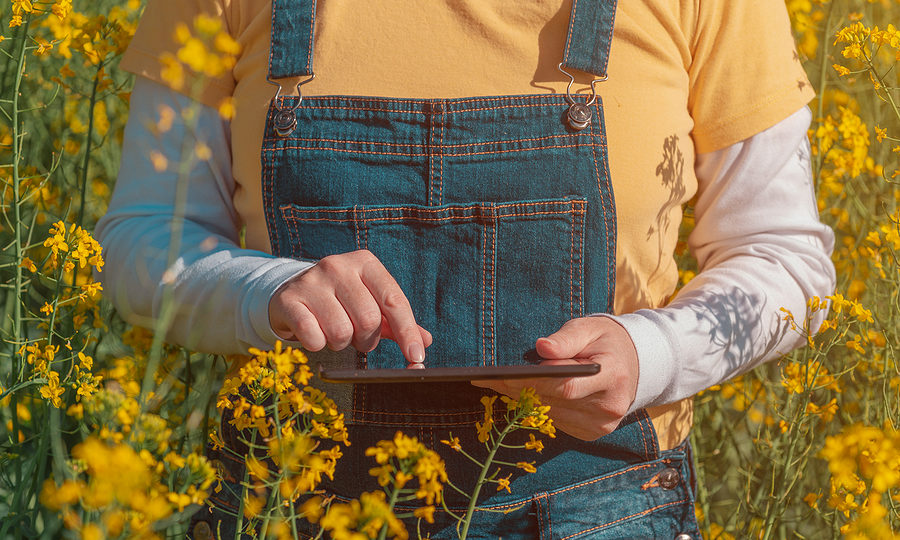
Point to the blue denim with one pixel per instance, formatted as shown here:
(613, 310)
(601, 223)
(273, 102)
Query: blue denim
(497, 219)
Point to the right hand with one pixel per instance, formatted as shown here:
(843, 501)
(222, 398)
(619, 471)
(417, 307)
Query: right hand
(347, 299)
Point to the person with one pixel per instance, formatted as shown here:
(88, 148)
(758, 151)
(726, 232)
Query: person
(441, 195)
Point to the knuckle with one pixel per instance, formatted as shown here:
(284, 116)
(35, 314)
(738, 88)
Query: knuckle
(369, 320)
(341, 333)
(395, 299)
(328, 264)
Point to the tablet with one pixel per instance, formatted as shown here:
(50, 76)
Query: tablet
(451, 374)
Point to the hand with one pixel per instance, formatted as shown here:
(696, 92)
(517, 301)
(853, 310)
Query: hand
(347, 299)
(584, 407)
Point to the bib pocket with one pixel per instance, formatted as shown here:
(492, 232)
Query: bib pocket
(485, 278)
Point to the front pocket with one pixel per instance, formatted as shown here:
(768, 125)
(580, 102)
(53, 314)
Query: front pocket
(486, 279)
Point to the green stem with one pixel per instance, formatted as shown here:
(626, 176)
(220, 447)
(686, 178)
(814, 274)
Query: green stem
(17, 202)
(470, 511)
(19, 363)
(820, 106)
(391, 503)
(246, 481)
(87, 148)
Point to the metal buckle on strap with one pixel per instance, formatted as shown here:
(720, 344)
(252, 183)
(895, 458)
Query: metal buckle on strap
(579, 114)
(286, 118)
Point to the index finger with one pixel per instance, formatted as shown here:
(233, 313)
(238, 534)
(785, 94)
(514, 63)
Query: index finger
(396, 310)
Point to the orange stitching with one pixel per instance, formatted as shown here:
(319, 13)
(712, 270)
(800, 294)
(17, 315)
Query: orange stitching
(613, 475)
(483, 296)
(473, 412)
(540, 517)
(420, 154)
(312, 23)
(413, 101)
(441, 146)
(409, 423)
(348, 151)
(566, 207)
(418, 145)
(493, 292)
(643, 437)
(608, 217)
(571, 26)
(606, 210)
(572, 270)
(272, 40)
(425, 219)
(306, 105)
(649, 510)
(550, 517)
(580, 267)
(430, 149)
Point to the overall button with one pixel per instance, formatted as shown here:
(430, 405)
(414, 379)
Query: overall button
(683, 536)
(669, 478)
(285, 122)
(579, 116)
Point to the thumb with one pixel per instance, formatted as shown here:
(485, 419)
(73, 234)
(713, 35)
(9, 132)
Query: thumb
(567, 342)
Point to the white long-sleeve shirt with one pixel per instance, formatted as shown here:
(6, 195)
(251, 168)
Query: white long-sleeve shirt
(758, 241)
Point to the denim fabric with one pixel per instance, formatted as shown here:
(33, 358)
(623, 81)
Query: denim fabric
(497, 220)
(619, 496)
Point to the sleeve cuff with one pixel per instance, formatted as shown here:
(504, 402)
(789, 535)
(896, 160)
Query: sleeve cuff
(280, 272)
(657, 362)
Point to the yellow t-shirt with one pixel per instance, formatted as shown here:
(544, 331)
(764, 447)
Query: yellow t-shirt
(685, 77)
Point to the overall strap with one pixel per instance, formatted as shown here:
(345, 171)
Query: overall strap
(589, 36)
(293, 28)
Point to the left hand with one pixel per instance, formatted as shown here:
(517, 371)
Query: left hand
(584, 407)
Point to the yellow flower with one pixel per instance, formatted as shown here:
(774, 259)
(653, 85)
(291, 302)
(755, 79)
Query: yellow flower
(426, 512)
(503, 483)
(52, 390)
(28, 264)
(861, 314)
(526, 466)
(841, 69)
(534, 444)
(812, 500)
(826, 411)
(453, 443)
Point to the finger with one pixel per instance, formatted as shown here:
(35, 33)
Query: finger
(387, 333)
(568, 341)
(305, 327)
(396, 310)
(364, 313)
(334, 321)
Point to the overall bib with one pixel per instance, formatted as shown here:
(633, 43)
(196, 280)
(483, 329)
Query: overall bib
(496, 217)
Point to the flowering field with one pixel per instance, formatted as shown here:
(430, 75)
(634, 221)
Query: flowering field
(102, 425)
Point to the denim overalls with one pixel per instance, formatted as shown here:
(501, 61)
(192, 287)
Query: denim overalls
(496, 217)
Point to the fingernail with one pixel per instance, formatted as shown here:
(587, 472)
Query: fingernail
(415, 365)
(416, 353)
